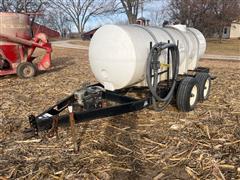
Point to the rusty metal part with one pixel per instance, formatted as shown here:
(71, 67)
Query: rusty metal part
(32, 131)
(72, 126)
(29, 133)
(54, 130)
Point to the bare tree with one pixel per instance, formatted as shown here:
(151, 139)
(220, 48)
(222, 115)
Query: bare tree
(131, 8)
(189, 12)
(225, 12)
(27, 6)
(57, 20)
(209, 16)
(157, 14)
(80, 11)
(3, 6)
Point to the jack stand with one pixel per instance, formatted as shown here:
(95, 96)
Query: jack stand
(72, 125)
(54, 129)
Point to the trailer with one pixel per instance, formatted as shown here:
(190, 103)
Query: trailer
(133, 74)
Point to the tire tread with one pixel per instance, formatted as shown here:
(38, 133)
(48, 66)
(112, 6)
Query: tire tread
(202, 78)
(183, 94)
(20, 69)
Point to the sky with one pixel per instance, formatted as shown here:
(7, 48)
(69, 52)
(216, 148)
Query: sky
(121, 18)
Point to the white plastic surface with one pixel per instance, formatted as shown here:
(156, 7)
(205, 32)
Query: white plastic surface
(118, 53)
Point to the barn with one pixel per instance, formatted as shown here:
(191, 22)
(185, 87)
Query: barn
(88, 35)
(38, 28)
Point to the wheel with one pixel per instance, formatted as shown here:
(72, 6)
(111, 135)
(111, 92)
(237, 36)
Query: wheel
(187, 94)
(204, 81)
(26, 70)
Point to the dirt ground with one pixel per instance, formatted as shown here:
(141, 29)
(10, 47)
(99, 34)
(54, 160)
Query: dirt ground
(203, 144)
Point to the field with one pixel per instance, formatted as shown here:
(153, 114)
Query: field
(225, 47)
(203, 144)
(79, 42)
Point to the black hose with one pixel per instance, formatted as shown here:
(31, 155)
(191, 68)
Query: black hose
(153, 66)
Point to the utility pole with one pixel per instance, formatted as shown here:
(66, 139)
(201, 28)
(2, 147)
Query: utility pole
(142, 8)
(25, 5)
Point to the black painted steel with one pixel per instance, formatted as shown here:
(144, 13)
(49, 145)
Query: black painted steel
(125, 104)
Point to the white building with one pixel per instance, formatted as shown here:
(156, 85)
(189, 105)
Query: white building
(232, 31)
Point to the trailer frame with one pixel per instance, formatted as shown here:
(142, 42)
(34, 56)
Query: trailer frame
(50, 119)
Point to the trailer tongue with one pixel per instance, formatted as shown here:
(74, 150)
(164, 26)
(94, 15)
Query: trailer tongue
(95, 103)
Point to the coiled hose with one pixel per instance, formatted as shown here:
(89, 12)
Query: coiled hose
(152, 71)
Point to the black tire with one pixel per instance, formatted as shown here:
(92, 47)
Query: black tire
(204, 80)
(26, 70)
(187, 94)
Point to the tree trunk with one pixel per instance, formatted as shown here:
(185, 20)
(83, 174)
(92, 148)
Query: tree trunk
(31, 25)
(132, 19)
(131, 8)
(220, 35)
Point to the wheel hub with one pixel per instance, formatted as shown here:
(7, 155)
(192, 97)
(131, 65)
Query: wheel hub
(193, 96)
(27, 71)
(206, 88)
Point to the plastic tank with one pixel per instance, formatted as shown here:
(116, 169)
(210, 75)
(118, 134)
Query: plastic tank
(118, 53)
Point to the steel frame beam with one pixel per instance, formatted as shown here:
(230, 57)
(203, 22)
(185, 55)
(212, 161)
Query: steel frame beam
(126, 104)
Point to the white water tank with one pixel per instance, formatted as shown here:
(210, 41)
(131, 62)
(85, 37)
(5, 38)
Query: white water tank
(118, 53)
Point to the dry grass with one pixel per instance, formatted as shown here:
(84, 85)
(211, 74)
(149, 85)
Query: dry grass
(226, 47)
(203, 144)
(79, 42)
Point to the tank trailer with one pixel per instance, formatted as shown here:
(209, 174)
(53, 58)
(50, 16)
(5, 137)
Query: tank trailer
(160, 64)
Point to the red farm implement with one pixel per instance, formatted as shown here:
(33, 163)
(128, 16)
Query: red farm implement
(17, 47)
